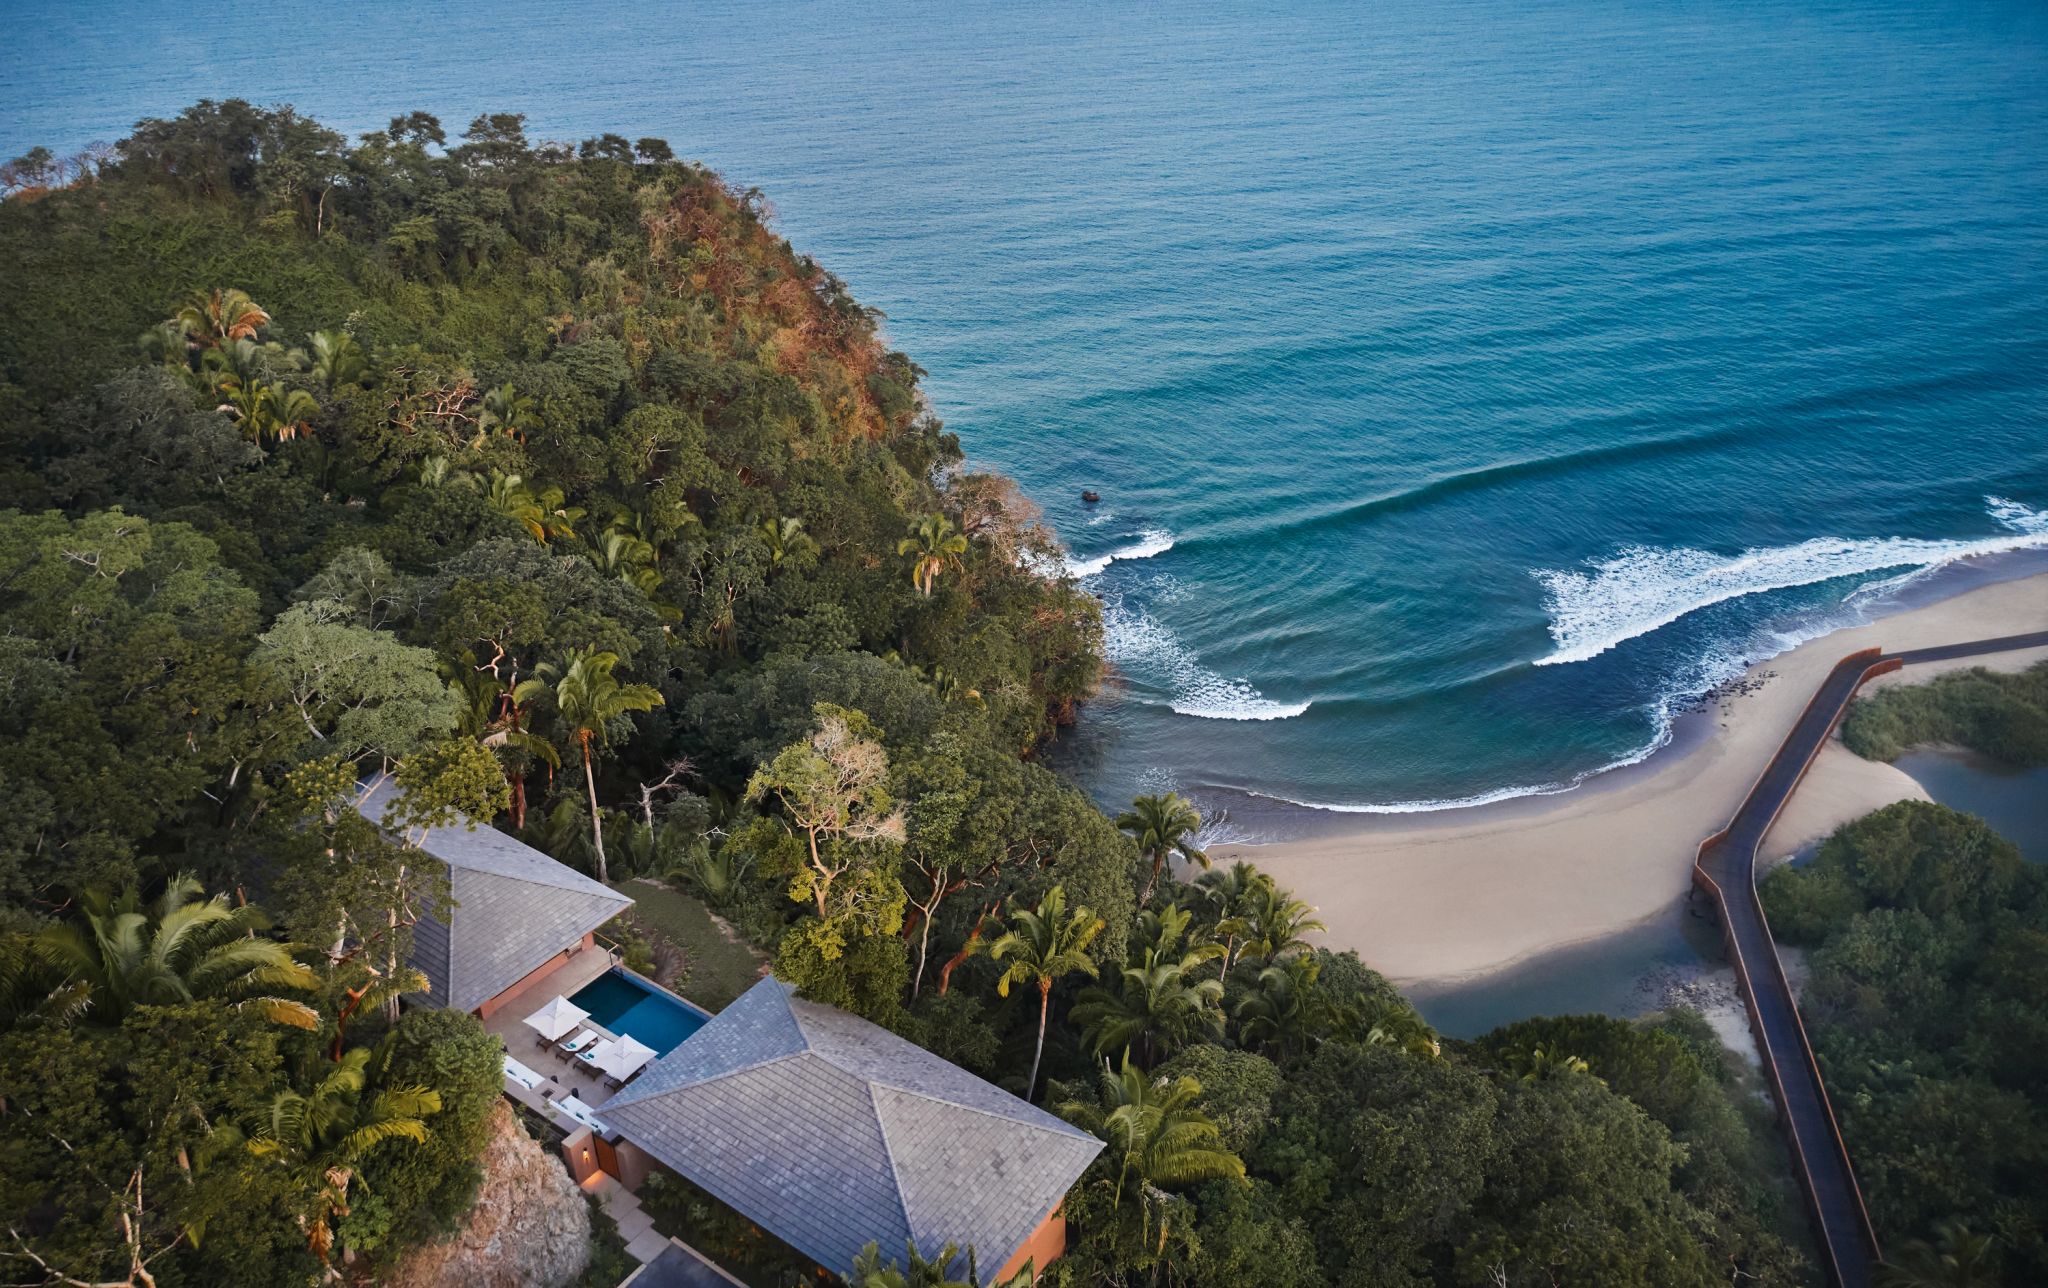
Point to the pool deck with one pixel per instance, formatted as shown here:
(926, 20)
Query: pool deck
(508, 1022)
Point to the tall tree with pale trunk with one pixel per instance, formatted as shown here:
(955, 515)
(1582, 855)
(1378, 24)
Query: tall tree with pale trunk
(1163, 826)
(833, 787)
(1042, 946)
(588, 701)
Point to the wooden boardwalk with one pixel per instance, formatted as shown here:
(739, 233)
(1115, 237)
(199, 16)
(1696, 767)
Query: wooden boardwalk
(1726, 869)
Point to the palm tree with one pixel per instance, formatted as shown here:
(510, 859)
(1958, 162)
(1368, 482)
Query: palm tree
(267, 411)
(1957, 1259)
(1159, 1139)
(284, 413)
(587, 701)
(439, 471)
(869, 1271)
(490, 715)
(179, 949)
(505, 411)
(1163, 826)
(1229, 892)
(656, 520)
(337, 359)
(319, 1136)
(932, 547)
(1544, 1064)
(33, 988)
(544, 514)
(784, 537)
(1281, 1010)
(620, 554)
(1403, 1027)
(1158, 1005)
(213, 319)
(1276, 925)
(1042, 946)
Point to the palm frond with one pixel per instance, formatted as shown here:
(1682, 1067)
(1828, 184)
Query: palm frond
(370, 1135)
(282, 1010)
(407, 1102)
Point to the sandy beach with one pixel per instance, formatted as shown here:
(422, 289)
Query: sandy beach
(1465, 892)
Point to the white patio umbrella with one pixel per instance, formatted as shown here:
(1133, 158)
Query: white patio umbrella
(625, 1057)
(556, 1018)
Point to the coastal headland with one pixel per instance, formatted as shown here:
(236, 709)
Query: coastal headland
(1464, 893)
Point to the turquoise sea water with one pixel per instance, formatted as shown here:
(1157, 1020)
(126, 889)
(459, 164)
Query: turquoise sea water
(1467, 383)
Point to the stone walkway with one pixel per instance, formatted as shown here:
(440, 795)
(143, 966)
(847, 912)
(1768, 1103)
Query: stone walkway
(664, 1262)
(643, 1242)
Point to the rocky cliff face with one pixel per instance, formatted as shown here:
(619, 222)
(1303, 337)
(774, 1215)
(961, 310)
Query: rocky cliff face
(530, 1227)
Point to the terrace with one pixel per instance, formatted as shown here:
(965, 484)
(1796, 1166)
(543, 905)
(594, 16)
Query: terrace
(620, 1004)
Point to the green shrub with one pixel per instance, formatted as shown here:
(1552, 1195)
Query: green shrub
(2001, 715)
(420, 1190)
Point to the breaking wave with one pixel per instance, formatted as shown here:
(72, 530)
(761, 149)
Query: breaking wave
(1643, 588)
(1136, 642)
(1150, 542)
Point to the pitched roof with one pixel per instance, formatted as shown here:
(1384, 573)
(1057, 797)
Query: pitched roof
(831, 1133)
(513, 908)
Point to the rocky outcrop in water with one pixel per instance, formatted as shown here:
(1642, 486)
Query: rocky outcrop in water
(530, 1227)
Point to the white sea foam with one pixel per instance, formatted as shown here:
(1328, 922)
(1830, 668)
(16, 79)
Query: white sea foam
(1664, 711)
(1137, 642)
(1643, 588)
(1679, 694)
(1164, 588)
(1150, 542)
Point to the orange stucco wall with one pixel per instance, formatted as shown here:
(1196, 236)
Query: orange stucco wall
(632, 1165)
(490, 1008)
(1048, 1241)
(579, 1151)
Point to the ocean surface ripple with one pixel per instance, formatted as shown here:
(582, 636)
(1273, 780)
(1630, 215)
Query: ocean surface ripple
(1468, 383)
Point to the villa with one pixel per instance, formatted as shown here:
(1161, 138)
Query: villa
(825, 1130)
(518, 916)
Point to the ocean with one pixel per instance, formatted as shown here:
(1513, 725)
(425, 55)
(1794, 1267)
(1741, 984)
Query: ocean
(1469, 384)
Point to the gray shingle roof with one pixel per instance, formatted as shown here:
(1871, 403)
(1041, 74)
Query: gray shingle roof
(831, 1132)
(514, 908)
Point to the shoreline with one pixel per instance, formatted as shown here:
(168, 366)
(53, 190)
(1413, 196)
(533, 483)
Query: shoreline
(1453, 896)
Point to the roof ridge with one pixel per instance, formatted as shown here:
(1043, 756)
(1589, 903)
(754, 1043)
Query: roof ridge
(705, 1082)
(545, 885)
(888, 1150)
(1059, 1127)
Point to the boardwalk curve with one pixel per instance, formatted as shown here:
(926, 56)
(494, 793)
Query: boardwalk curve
(1726, 870)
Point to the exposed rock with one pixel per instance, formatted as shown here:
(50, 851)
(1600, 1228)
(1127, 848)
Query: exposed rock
(530, 1227)
(1723, 695)
(1091, 497)
(1710, 990)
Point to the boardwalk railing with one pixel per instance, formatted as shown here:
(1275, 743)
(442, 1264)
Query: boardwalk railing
(1725, 868)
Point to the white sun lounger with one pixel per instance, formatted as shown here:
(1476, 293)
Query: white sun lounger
(522, 1075)
(572, 1108)
(578, 1044)
(594, 1057)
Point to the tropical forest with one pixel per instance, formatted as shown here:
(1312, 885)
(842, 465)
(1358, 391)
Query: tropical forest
(548, 481)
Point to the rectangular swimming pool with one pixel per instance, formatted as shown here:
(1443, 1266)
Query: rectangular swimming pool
(624, 1003)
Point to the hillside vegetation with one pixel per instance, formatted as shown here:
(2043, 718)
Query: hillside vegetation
(552, 482)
